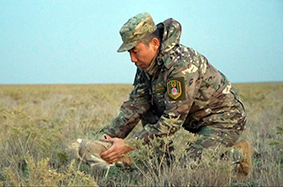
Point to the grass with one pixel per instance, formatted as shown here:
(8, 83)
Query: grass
(39, 121)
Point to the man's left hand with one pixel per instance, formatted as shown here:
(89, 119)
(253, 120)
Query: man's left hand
(118, 148)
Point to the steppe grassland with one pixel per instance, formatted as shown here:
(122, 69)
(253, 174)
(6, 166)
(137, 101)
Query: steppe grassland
(38, 122)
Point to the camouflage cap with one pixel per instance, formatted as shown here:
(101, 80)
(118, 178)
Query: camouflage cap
(135, 29)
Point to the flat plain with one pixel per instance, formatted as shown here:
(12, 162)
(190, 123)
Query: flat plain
(39, 121)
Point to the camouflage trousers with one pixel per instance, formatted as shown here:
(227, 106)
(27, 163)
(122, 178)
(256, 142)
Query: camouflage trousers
(217, 140)
(214, 138)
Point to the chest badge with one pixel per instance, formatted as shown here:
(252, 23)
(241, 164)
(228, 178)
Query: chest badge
(160, 89)
(174, 89)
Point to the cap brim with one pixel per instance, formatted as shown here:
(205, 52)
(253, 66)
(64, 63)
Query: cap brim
(126, 47)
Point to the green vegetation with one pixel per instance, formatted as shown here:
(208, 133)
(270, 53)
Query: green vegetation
(39, 121)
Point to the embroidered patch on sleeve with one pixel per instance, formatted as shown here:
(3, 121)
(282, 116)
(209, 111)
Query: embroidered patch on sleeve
(176, 89)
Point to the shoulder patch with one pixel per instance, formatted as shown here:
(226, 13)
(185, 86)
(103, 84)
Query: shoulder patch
(176, 89)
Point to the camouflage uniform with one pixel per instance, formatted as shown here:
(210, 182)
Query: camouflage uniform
(181, 89)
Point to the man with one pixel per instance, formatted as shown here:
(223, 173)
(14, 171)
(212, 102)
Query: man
(176, 87)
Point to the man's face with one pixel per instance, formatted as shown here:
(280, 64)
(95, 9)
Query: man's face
(142, 54)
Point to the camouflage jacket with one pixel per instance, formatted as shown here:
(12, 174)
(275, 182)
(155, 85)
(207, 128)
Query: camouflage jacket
(184, 89)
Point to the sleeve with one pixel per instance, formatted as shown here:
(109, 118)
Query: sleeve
(131, 110)
(182, 84)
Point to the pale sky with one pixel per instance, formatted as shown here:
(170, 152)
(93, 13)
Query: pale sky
(75, 42)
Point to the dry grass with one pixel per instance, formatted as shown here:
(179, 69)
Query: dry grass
(38, 122)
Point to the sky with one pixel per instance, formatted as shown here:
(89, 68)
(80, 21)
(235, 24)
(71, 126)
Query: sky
(76, 42)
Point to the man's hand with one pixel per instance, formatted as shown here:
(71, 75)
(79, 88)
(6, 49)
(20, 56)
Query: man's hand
(118, 148)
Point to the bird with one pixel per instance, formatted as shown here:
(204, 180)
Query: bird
(89, 151)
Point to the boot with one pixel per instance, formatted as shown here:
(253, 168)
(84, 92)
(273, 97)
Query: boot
(245, 167)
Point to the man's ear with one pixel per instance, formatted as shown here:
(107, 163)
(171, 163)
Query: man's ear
(155, 43)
